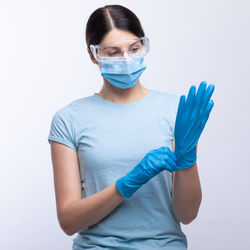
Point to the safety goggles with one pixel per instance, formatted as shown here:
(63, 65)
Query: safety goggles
(115, 51)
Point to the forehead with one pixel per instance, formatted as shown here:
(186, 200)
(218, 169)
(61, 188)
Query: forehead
(118, 36)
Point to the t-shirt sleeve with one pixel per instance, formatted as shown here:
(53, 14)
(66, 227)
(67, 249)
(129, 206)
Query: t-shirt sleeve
(61, 128)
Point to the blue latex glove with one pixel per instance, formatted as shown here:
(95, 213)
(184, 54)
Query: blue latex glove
(191, 118)
(153, 162)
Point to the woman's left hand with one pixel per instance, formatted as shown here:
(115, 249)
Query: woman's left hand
(192, 115)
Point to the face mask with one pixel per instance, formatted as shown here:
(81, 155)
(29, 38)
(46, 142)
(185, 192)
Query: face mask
(123, 72)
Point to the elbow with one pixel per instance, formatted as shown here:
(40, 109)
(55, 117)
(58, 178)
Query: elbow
(67, 229)
(189, 216)
(65, 225)
(64, 217)
(187, 220)
(68, 232)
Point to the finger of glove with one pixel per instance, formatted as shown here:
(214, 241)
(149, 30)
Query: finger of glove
(170, 164)
(179, 115)
(154, 164)
(163, 153)
(190, 102)
(206, 98)
(188, 118)
(156, 158)
(166, 158)
(199, 96)
(194, 129)
(171, 154)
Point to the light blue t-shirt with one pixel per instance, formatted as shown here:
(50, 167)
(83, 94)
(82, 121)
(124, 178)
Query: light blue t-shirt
(110, 140)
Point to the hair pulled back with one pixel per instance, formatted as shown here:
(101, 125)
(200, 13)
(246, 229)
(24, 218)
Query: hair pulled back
(104, 19)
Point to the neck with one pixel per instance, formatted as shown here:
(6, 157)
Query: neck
(122, 96)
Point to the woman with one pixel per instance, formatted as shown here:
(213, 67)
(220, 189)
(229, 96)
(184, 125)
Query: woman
(118, 184)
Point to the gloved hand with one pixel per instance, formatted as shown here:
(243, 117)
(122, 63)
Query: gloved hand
(153, 162)
(191, 118)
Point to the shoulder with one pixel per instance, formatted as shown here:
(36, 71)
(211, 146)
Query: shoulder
(70, 109)
(63, 113)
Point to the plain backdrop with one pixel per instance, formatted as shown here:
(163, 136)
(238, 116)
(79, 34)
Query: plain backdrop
(44, 65)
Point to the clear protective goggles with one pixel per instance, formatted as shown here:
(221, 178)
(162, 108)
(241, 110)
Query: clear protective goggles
(114, 51)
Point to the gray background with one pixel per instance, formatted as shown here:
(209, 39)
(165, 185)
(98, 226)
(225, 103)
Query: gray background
(44, 66)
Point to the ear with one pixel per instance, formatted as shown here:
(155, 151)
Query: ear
(92, 57)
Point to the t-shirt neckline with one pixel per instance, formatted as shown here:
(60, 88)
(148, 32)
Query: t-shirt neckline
(143, 99)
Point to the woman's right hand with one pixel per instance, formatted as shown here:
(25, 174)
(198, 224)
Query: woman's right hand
(153, 162)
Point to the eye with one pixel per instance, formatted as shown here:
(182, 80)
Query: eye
(112, 53)
(135, 49)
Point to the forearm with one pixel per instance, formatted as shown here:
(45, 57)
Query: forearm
(186, 194)
(88, 211)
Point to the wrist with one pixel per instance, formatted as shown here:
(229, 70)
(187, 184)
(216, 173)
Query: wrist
(124, 188)
(133, 180)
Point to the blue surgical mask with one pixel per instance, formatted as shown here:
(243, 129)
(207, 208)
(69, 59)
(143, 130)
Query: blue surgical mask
(123, 72)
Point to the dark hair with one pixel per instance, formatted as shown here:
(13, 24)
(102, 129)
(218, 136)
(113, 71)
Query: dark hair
(104, 19)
